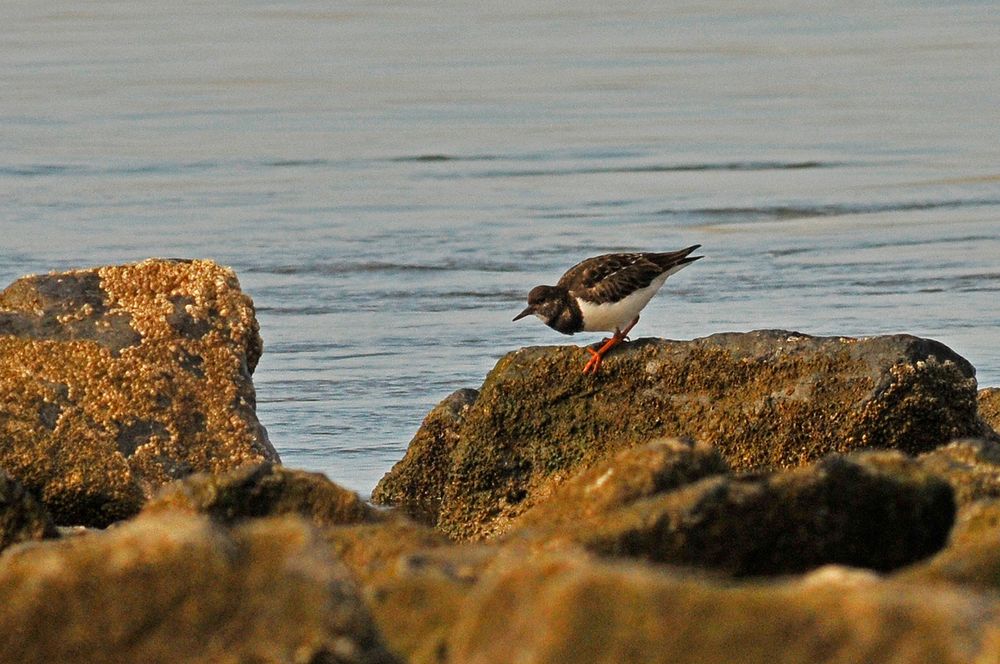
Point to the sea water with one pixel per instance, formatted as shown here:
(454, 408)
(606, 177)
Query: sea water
(389, 179)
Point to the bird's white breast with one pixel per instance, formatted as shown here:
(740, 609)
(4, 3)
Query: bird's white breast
(612, 316)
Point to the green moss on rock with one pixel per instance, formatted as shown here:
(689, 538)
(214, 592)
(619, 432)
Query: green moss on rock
(766, 400)
(418, 480)
(597, 494)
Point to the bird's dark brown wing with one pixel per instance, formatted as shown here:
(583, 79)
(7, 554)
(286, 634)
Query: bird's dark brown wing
(611, 277)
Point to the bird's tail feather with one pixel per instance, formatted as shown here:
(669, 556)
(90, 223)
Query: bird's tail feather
(672, 259)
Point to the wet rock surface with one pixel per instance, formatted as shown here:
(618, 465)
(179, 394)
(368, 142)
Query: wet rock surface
(767, 399)
(118, 379)
(176, 587)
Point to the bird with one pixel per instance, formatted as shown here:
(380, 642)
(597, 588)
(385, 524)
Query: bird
(605, 294)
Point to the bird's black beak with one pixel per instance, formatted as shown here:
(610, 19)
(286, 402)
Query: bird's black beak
(527, 312)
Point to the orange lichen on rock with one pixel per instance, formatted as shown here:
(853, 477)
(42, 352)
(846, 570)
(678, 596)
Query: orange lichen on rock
(116, 380)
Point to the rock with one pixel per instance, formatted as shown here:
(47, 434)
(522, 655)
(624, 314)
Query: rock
(22, 517)
(972, 556)
(181, 588)
(879, 510)
(413, 580)
(118, 379)
(567, 609)
(989, 406)
(419, 599)
(597, 494)
(386, 554)
(766, 399)
(264, 490)
(416, 483)
(371, 550)
(977, 521)
(971, 466)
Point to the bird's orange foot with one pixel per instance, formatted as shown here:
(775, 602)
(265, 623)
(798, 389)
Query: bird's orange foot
(597, 356)
(594, 363)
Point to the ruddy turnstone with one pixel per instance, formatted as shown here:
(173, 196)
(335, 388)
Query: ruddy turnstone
(604, 294)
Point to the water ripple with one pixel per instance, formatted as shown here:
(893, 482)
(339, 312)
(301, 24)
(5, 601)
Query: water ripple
(383, 267)
(641, 168)
(789, 212)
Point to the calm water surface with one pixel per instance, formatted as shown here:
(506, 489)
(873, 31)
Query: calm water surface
(389, 179)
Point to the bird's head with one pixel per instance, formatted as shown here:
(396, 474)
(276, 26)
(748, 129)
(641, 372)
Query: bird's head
(546, 302)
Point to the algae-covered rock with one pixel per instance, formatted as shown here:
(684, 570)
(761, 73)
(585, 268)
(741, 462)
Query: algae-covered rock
(22, 516)
(416, 483)
(767, 399)
(264, 490)
(597, 495)
(118, 379)
(182, 588)
(570, 609)
(878, 510)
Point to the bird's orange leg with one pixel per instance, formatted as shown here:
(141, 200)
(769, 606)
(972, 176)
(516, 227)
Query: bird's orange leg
(597, 356)
(629, 328)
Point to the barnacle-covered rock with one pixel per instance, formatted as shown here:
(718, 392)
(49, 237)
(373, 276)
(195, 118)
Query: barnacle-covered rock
(118, 379)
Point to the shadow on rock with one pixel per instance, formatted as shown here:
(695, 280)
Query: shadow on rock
(879, 510)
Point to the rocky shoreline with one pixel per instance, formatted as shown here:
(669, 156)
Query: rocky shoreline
(757, 497)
